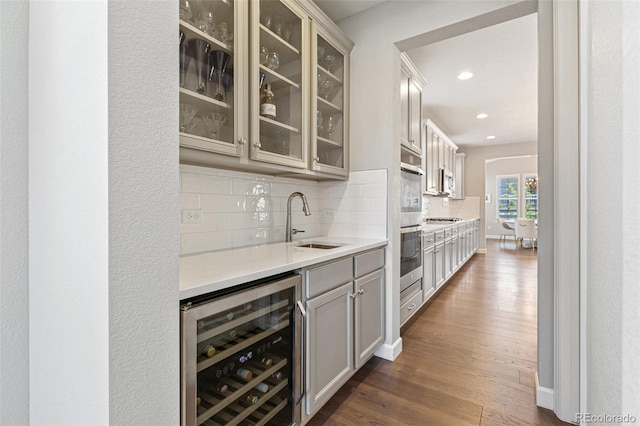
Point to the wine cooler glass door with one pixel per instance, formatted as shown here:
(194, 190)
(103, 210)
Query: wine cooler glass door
(238, 357)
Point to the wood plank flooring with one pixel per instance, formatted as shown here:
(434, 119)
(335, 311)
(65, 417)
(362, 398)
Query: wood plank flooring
(468, 358)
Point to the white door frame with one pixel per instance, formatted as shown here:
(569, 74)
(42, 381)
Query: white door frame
(567, 211)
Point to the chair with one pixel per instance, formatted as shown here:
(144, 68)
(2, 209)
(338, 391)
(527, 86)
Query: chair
(526, 228)
(506, 229)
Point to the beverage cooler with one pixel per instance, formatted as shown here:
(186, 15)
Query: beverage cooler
(241, 356)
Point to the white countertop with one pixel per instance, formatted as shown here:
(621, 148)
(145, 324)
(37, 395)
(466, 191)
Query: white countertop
(212, 271)
(428, 227)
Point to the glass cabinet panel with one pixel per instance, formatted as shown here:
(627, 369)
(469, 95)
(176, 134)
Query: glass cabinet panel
(329, 104)
(210, 82)
(279, 81)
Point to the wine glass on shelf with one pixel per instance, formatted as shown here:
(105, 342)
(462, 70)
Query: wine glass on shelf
(206, 22)
(331, 126)
(319, 120)
(187, 112)
(227, 83)
(224, 33)
(185, 59)
(325, 87)
(185, 10)
(200, 51)
(273, 61)
(213, 121)
(218, 61)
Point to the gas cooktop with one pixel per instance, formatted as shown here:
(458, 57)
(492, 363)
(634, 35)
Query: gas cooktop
(443, 219)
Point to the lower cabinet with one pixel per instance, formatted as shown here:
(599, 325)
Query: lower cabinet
(344, 323)
(428, 283)
(438, 265)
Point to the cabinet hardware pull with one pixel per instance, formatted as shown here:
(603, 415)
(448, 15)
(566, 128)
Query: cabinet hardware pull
(242, 141)
(361, 291)
(257, 144)
(412, 307)
(353, 295)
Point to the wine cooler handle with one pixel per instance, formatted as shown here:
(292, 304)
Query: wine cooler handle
(300, 359)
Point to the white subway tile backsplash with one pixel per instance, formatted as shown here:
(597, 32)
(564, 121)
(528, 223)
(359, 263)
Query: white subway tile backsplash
(242, 209)
(205, 184)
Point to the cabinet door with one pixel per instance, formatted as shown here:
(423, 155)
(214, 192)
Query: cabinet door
(448, 257)
(405, 82)
(212, 83)
(330, 103)
(430, 157)
(438, 265)
(369, 315)
(329, 344)
(415, 120)
(428, 283)
(279, 57)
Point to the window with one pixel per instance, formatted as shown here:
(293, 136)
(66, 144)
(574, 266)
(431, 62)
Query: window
(509, 202)
(507, 195)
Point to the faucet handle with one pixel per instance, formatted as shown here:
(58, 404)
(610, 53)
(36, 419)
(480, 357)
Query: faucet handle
(294, 231)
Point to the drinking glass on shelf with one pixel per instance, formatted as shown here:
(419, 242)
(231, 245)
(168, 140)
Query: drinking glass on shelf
(264, 55)
(331, 126)
(185, 59)
(325, 87)
(278, 24)
(200, 52)
(206, 22)
(213, 121)
(217, 62)
(187, 112)
(273, 61)
(185, 10)
(224, 33)
(287, 31)
(266, 16)
(329, 61)
(319, 121)
(227, 83)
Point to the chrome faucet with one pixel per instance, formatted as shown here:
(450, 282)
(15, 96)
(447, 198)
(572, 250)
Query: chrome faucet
(305, 208)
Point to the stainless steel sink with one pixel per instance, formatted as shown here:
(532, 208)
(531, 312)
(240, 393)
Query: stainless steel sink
(318, 246)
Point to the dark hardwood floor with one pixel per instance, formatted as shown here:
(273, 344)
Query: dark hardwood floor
(468, 358)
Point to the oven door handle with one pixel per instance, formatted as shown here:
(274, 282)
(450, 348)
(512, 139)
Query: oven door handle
(301, 315)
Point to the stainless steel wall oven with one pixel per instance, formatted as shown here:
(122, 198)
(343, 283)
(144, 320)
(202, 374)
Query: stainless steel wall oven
(241, 356)
(410, 256)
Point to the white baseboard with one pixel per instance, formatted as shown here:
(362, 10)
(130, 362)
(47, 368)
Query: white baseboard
(544, 396)
(389, 352)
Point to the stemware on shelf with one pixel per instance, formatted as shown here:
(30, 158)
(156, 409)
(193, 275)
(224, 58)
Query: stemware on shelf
(213, 121)
(227, 83)
(262, 76)
(187, 112)
(319, 121)
(325, 86)
(185, 58)
(287, 31)
(206, 22)
(331, 127)
(329, 61)
(264, 55)
(217, 64)
(278, 25)
(266, 16)
(223, 32)
(200, 52)
(273, 60)
(185, 10)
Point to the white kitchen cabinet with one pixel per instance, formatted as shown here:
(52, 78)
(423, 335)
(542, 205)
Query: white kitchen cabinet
(274, 42)
(428, 262)
(411, 85)
(344, 324)
(440, 152)
(459, 176)
(438, 264)
(329, 349)
(329, 101)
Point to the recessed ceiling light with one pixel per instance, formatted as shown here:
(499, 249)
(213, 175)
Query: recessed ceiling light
(491, 137)
(482, 115)
(465, 75)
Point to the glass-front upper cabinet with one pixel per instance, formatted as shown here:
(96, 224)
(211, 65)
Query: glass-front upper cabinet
(330, 103)
(212, 85)
(279, 76)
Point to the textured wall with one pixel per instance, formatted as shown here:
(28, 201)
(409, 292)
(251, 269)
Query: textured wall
(14, 276)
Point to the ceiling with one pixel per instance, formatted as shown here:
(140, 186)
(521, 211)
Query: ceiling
(503, 59)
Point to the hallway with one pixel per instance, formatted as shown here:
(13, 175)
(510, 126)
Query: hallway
(468, 358)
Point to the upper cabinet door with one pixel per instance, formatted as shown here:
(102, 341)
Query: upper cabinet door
(280, 62)
(405, 82)
(415, 109)
(212, 85)
(329, 103)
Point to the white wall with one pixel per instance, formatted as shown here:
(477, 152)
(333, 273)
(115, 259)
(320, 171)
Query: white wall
(612, 271)
(375, 105)
(507, 166)
(103, 192)
(14, 274)
(242, 209)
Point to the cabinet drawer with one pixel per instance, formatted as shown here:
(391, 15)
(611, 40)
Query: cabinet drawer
(429, 239)
(410, 306)
(439, 236)
(447, 232)
(368, 262)
(327, 277)
(410, 291)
